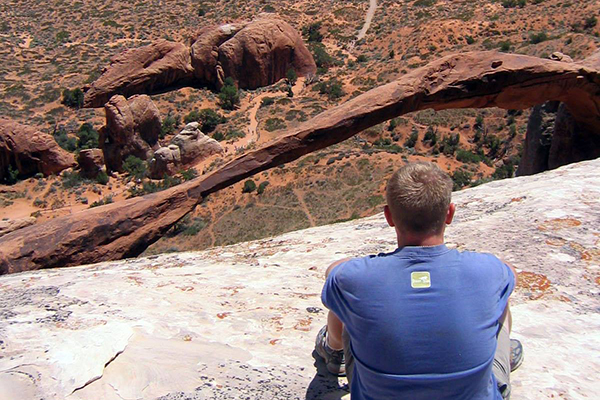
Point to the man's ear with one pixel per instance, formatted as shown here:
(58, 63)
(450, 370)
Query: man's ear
(450, 214)
(388, 215)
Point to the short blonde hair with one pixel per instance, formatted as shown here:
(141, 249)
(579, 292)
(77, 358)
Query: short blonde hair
(418, 195)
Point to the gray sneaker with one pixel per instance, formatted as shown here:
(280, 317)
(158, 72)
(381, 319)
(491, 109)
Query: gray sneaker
(334, 359)
(516, 354)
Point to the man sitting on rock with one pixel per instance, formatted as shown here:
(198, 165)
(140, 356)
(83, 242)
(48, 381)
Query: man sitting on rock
(424, 322)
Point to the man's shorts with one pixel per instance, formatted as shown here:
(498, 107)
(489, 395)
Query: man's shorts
(501, 365)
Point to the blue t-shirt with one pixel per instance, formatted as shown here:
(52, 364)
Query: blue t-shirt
(422, 322)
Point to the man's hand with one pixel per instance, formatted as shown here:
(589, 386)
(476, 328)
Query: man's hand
(335, 264)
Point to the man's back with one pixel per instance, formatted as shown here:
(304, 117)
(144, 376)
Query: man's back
(422, 322)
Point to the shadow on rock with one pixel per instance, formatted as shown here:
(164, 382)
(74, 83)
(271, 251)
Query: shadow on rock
(324, 386)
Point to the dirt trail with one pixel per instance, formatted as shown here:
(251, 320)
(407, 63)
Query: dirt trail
(368, 19)
(304, 207)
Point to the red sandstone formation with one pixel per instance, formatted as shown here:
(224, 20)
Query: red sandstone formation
(555, 137)
(148, 69)
(30, 151)
(91, 162)
(132, 128)
(255, 54)
(469, 80)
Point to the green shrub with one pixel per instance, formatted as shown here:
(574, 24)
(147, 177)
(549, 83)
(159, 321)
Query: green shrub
(469, 39)
(535, 38)
(153, 187)
(262, 187)
(135, 167)
(431, 136)
(105, 200)
(273, 124)
(12, 175)
(466, 156)
(505, 171)
(267, 101)
(249, 186)
(461, 178)
(291, 76)
(323, 60)
(102, 178)
(189, 174)
(332, 88)
(229, 97)
(63, 140)
(312, 32)
(87, 137)
(412, 139)
(72, 180)
(72, 98)
(169, 125)
(206, 117)
(513, 3)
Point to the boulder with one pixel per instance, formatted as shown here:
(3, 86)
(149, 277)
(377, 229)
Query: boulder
(467, 80)
(165, 161)
(91, 162)
(255, 54)
(30, 151)
(188, 147)
(262, 52)
(132, 129)
(205, 51)
(149, 69)
(10, 225)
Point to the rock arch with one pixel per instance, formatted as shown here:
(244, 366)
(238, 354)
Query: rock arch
(468, 80)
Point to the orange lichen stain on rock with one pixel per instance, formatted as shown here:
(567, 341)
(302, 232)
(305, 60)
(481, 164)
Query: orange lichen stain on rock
(559, 223)
(223, 315)
(564, 299)
(598, 280)
(517, 199)
(273, 342)
(303, 325)
(234, 289)
(136, 279)
(558, 242)
(185, 288)
(537, 284)
(586, 254)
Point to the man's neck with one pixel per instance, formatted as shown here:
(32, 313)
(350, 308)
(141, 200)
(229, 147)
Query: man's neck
(419, 240)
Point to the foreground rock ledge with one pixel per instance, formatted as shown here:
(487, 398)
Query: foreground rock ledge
(468, 80)
(240, 321)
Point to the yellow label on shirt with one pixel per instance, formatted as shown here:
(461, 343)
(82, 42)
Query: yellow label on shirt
(420, 280)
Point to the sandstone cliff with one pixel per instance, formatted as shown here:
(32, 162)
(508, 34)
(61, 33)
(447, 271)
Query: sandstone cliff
(240, 321)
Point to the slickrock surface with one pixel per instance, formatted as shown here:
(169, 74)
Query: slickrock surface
(467, 80)
(239, 322)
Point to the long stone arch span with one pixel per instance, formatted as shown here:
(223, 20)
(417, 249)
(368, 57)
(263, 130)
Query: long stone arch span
(467, 80)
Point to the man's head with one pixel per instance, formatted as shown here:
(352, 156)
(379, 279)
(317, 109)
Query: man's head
(418, 199)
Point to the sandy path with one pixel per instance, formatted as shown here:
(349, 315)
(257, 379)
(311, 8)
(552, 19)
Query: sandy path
(368, 19)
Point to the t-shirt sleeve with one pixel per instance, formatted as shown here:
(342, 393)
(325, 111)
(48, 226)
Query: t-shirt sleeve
(332, 295)
(506, 287)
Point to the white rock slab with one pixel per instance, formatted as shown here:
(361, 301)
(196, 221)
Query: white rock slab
(239, 322)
